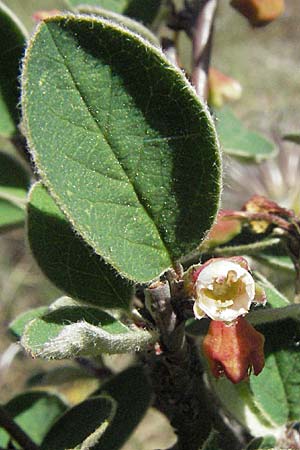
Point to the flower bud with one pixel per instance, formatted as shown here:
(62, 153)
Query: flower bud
(222, 88)
(223, 289)
(225, 229)
(234, 350)
(259, 12)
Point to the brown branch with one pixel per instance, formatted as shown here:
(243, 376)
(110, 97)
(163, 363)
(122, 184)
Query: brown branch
(202, 43)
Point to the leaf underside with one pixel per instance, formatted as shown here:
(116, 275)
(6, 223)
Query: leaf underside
(121, 141)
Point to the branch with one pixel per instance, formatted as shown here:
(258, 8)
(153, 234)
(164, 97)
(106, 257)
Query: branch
(202, 43)
(15, 431)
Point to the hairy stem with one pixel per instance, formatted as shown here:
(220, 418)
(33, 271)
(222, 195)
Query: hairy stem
(15, 431)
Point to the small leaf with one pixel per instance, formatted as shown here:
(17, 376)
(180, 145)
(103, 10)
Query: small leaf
(14, 182)
(144, 11)
(12, 40)
(293, 137)
(71, 331)
(132, 392)
(85, 424)
(34, 412)
(17, 326)
(275, 298)
(132, 25)
(238, 141)
(266, 442)
(277, 261)
(67, 261)
(282, 351)
(138, 171)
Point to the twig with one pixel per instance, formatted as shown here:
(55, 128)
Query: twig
(202, 42)
(15, 431)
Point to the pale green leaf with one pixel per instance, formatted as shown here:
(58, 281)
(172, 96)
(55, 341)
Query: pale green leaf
(67, 261)
(131, 24)
(81, 426)
(14, 183)
(144, 11)
(277, 261)
(238, 141)
(34, 412)
(17, 326)
(138, 170)
(12, 40)
(71, 331)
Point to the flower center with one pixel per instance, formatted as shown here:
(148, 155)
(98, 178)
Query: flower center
(224, 290)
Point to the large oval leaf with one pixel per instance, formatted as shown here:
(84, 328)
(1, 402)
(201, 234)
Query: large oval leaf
(122, 142)
(67, 261)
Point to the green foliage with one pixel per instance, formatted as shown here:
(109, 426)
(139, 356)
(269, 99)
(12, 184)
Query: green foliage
(85, 423)
(14, 182)
(72, 331)
(132, 393)
(238, 141)
(17, 326)
(35, 413)
(12, 39)
(58, 250)
(131, 176)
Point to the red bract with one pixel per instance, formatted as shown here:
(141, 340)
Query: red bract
(234, 350)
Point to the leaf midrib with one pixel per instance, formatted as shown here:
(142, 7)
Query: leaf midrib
(106, 138)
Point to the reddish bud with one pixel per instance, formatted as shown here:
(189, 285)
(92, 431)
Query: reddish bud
(259, 12)
(234, 350)
(222, 88)
(223, 230)
(42, 15)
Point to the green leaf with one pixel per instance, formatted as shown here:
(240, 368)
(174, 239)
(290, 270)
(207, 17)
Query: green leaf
(138, 167)
(132, 25)
(144, 11)
(14, 183)
(267, 442)
(277, 261)
(131, 390)
(274, 298)
(283, 359)
(238, 141)
(266, 403)
(12, 40)
(293, 137)
(71, 331)
(34, 412)
(67, 261)
(17, 326)
(85, 424)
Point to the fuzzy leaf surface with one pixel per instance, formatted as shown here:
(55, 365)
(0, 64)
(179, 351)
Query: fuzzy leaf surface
(65, 258)
(17, 326)
(14, 183)
(238, 141)
(12, 40)
(34, 412)
(138, 169)
(85, 423)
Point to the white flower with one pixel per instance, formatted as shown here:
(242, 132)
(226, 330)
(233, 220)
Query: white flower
(224, 290)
